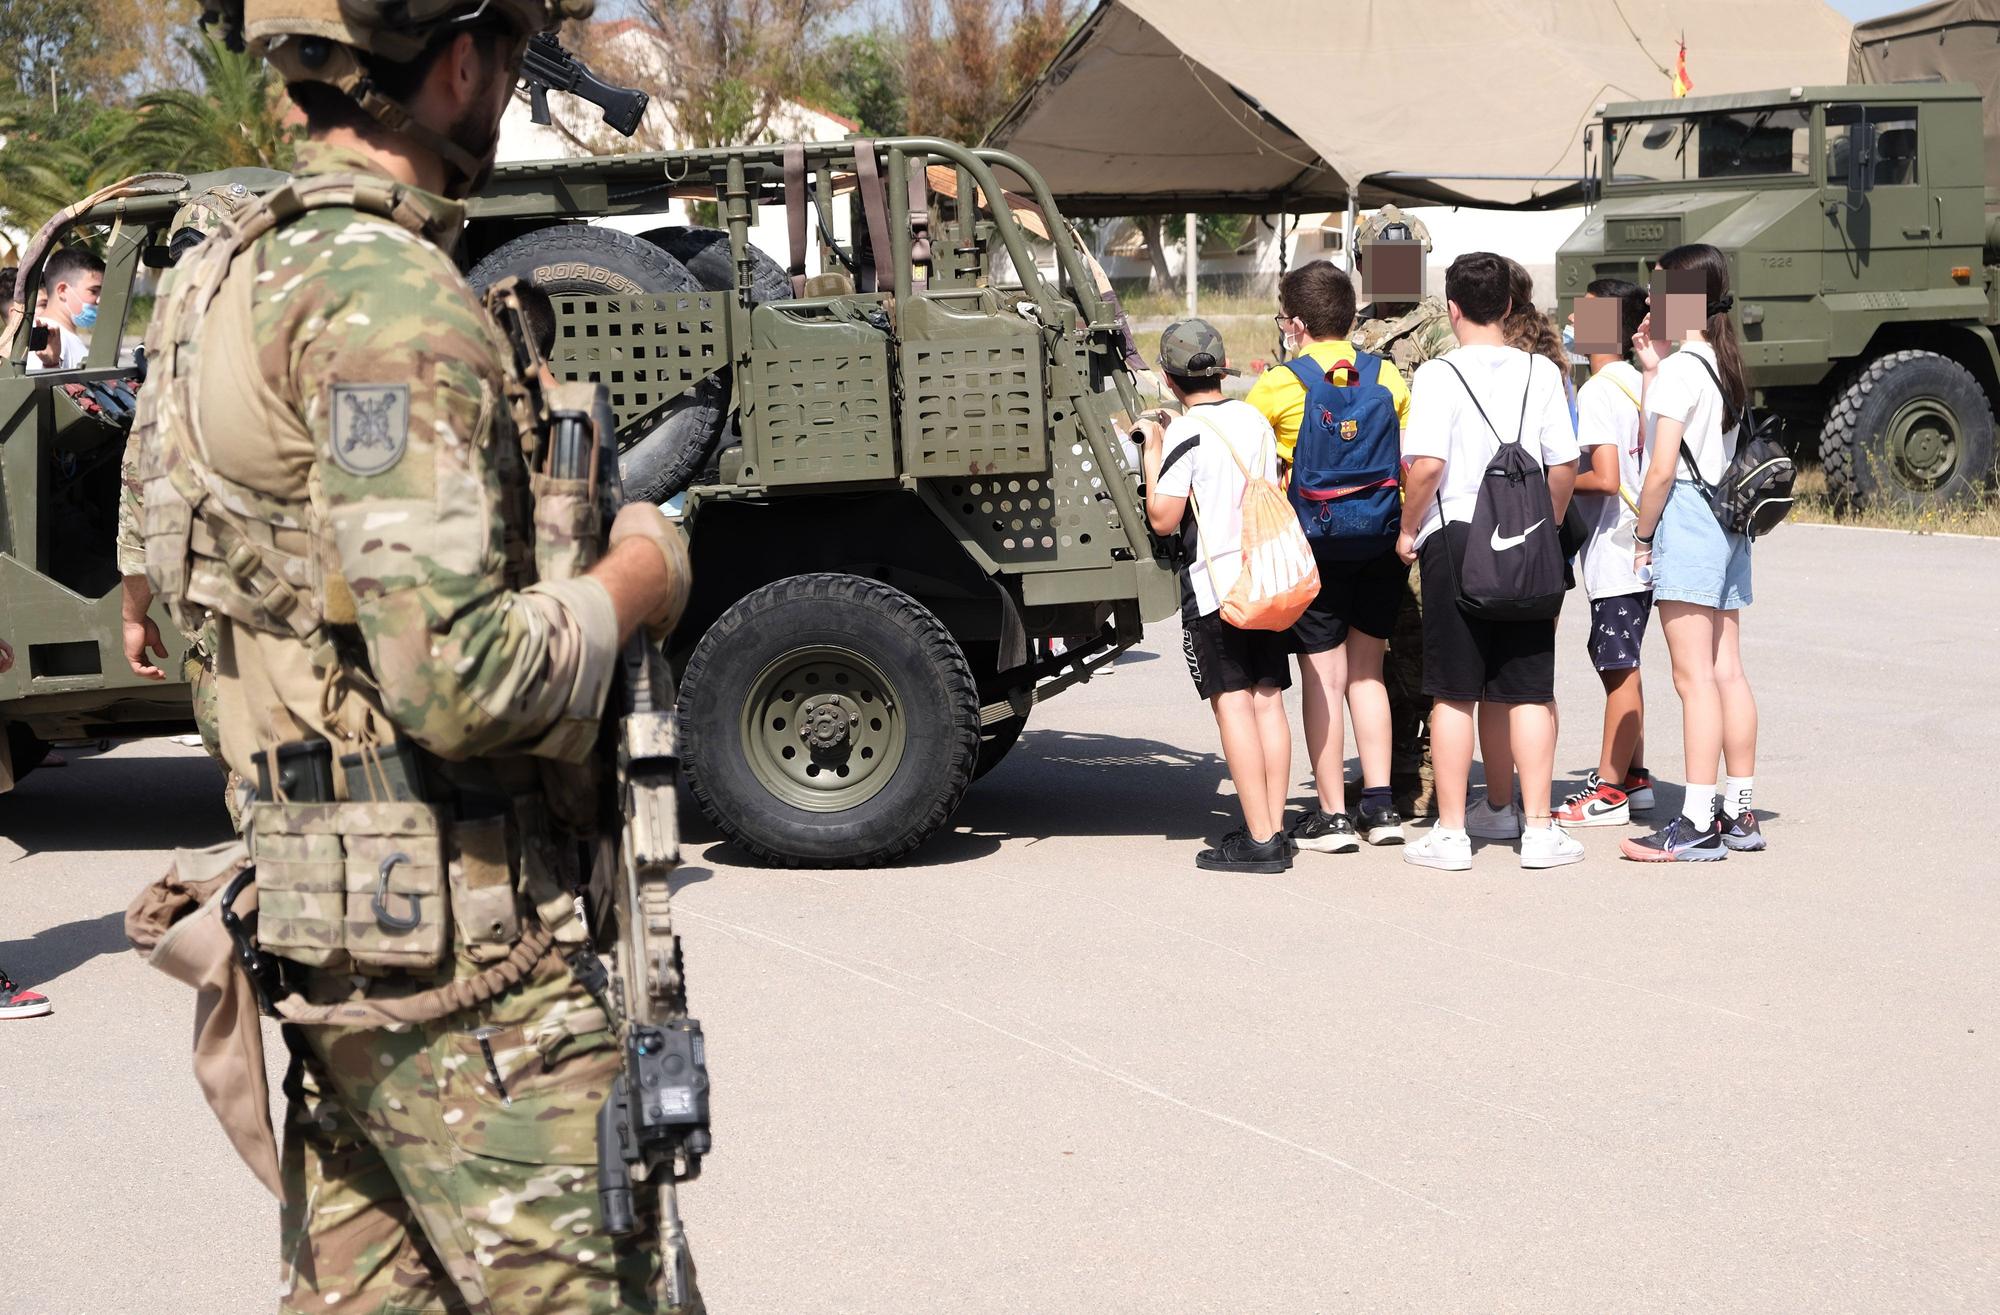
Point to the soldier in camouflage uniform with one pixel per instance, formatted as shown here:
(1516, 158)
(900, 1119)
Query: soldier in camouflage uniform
(190, 226)
(1408, 334)
(333, 449)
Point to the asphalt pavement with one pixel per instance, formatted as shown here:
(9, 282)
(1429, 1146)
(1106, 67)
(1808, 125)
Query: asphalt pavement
(1050, 1066)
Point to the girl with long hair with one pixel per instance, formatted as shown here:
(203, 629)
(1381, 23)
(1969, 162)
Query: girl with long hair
(1498, 815)
(1695, 398)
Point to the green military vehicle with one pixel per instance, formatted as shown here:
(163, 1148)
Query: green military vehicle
(908, 508)
(1862, 227)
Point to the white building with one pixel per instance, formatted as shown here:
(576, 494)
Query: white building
(577, 131)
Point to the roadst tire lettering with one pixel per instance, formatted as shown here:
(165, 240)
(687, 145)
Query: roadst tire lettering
(587, 273)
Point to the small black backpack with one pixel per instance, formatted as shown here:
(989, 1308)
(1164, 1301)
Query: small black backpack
(1513, 564)
(1755, 493)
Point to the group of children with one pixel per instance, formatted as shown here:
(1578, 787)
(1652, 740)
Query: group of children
(1623, 459)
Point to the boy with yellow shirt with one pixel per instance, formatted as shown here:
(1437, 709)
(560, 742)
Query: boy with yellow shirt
(1341, 638)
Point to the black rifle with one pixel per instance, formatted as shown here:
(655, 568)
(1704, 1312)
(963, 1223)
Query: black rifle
(549, 67)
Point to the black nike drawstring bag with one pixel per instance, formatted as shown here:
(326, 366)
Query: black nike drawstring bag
(1512, 565)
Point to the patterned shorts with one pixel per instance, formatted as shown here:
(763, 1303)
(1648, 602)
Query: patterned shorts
(1618, 630)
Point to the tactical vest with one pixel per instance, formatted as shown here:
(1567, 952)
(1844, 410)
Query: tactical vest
(377, 885)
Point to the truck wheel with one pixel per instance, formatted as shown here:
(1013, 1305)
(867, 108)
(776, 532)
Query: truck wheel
(24, 750)
(994, 743)
(705, 252)
(577, 258)
(828, 721)
(1913, 429)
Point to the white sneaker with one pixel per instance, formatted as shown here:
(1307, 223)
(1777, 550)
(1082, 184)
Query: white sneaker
(1485, 822)
(1447, 851)
(1549, 847)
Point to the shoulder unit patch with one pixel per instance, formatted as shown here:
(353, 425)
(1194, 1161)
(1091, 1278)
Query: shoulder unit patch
(371, 426)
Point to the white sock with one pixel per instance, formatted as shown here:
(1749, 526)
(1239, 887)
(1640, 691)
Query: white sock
(1736, 791)
(1449, 833)
(1699, 805)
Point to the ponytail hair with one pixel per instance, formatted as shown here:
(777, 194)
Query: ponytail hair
(1631, 299)
(1721, 330)
(1527, 328)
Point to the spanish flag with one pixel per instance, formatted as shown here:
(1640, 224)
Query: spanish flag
(1683, 84)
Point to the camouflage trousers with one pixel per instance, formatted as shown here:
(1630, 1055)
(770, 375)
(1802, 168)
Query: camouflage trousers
(1409, 708)
(198, 669)
(422, 1177)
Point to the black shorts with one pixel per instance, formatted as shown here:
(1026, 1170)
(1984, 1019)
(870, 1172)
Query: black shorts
(1467, 660)
(1618, 629)
(1223, 659)
(1362, 595)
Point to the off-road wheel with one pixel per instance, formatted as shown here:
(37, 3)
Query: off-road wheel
(24, 749)
(705, 252)
(828, 721)
(568, 259)
(994, 743)
(1913, 429)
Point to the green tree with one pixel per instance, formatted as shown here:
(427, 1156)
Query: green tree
(235, 120)
(54, 160)
(862, 77)
(965, 66)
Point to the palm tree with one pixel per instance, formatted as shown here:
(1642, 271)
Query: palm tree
(237, 119)
(48, 162)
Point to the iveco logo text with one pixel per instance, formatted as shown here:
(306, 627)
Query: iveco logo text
(1645, 232)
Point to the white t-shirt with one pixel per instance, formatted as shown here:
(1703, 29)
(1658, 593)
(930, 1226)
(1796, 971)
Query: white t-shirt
(1445, 423)
(1607, 415)
(1213, 482)
(74, 349)
(1682, 391)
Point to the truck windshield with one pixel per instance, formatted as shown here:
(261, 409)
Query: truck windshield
(1734, 144)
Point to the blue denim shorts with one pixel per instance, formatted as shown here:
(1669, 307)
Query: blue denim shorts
(1695, 560)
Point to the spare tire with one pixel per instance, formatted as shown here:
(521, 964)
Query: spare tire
(705, 252)
(663, 458)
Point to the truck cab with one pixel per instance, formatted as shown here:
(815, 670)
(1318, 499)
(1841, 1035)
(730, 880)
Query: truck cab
(1854, 222)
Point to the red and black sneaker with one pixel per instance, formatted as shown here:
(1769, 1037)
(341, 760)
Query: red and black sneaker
(1597, 804)
(1639, 790)
(19, 1002)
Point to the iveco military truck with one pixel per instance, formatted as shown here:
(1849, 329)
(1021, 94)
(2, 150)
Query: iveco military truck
(1862, 227)
(905, 480)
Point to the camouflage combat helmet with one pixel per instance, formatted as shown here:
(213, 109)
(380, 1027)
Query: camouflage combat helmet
(325, 41)
(1383, 225)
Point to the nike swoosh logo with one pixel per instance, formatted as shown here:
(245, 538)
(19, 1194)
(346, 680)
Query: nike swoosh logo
(1502, 542)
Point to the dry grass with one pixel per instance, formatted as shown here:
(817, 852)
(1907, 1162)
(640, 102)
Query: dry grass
(1815, 506)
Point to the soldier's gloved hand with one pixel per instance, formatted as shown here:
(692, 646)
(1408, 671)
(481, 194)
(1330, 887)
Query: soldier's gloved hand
(642, 520)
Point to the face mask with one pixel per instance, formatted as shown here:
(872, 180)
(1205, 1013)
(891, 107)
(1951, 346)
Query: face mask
(87, 317)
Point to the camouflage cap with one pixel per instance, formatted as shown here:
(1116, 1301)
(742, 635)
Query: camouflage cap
(1375, 228)
(1193, 349)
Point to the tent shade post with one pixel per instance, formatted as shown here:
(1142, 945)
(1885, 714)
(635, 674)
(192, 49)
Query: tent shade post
(1350, 219)
(1193, 258)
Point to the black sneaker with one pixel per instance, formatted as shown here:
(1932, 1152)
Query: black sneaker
(1325, 833)
(1741, 832)
(1679, 841)
(1381, 826)
(1237, 852)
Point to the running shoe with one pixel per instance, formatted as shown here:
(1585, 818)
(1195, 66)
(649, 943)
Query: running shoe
(1741, 832)
(1381, 826)
(19, 1002)
(1447, 851)
(1485, 822)
(1597, 804)
(1639, 789)
(1679, 841)
(1237, 852)
(1549, 847)
(1325, 833)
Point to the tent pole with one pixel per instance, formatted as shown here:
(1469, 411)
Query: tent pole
(1349, 221)
(1193, 258)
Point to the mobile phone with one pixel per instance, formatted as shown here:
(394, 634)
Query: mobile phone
(38, 338)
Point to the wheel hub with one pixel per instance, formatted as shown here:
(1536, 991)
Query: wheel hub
(823, 729)
(1923, 444)
(826, 720)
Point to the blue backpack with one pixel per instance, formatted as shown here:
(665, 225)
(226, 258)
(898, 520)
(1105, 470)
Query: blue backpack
(1348, 460)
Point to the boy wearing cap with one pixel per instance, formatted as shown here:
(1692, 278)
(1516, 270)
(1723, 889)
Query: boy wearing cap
(1196, 465)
